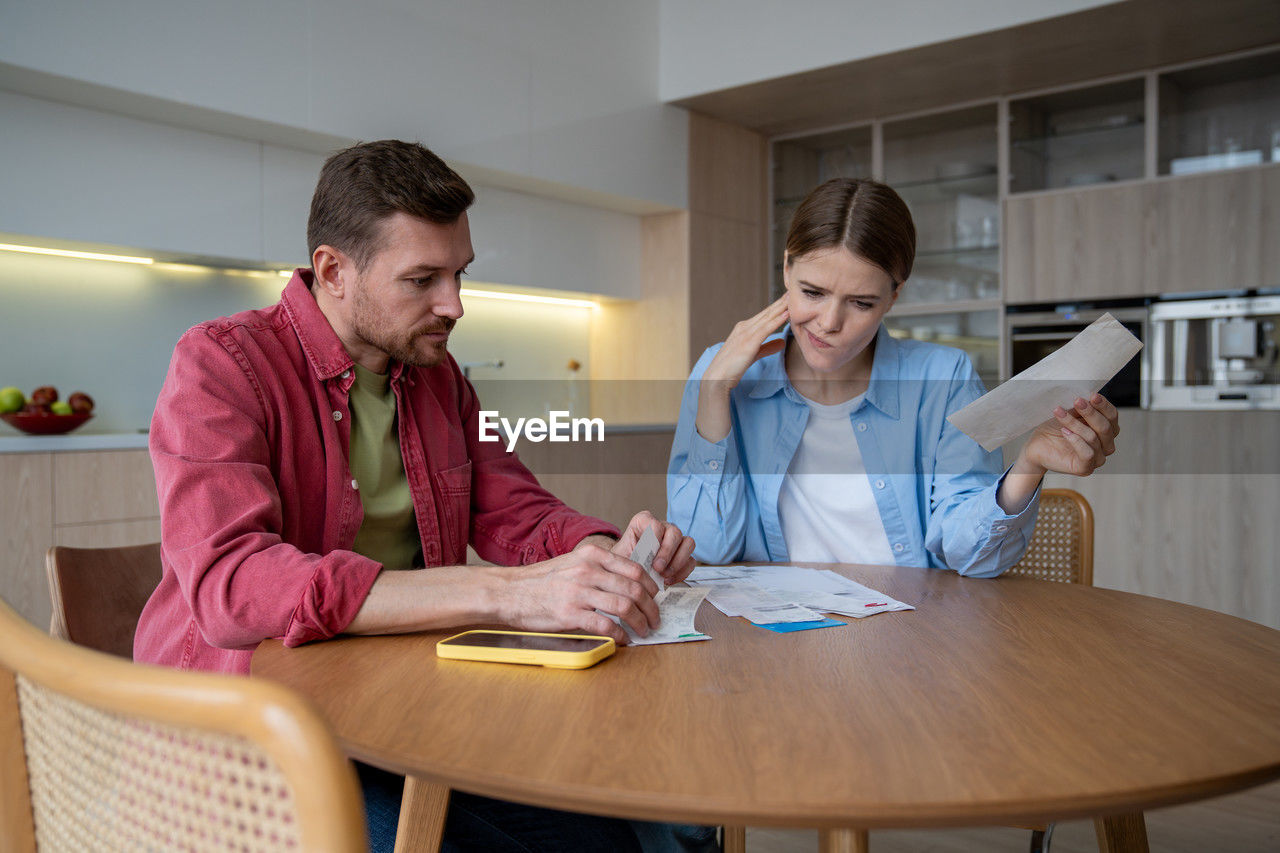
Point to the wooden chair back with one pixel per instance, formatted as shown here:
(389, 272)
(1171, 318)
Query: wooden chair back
(1062, 547)
(98, 593)
(98, 751)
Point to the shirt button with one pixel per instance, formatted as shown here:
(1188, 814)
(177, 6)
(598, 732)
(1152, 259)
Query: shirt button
(862, 427)
(346, 374)
(714, 464)
(355, 485)
(879, 484)
(899, 547)
(1001, 528)
(337, 416)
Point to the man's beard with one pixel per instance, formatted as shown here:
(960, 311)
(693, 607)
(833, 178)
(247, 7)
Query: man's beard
(367, 325)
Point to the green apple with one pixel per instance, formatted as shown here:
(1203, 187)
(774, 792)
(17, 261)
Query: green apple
(11, 399)
(60, 408)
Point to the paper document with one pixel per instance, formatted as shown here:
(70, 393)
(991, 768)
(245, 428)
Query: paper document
(779, 594)
(1082, 366)
(757, 604)
(678, 607)
(644, 552)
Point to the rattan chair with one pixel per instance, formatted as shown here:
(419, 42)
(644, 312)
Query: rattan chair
(101, 754)
(98, 593)
(1062, 547)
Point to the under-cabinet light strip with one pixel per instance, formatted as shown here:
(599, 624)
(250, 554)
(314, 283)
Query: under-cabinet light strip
(67, 253)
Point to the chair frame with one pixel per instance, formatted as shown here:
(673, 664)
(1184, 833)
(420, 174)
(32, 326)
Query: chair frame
(282, 724)
(73, 568)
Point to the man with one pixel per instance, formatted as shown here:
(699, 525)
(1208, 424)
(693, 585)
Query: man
(305, 452)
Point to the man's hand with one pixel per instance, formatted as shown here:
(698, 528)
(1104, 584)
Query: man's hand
(565, 593)
(674, 560)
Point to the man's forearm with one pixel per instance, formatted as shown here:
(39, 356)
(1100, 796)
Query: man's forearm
(430, 599)
(604, 540)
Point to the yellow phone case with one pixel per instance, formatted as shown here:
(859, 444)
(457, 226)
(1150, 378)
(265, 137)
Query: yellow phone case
(535, 657)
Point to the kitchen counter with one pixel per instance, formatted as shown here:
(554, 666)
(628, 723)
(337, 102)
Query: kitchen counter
(78, 441)
(75, 441)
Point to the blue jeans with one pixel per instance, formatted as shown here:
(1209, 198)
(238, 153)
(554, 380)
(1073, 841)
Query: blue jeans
(481, 824)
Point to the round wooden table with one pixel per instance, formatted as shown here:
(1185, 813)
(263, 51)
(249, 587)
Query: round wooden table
(1010, 701)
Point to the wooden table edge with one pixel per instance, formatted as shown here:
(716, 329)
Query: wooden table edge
(612, 803)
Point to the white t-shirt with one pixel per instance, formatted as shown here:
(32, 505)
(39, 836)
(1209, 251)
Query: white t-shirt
(826, 506)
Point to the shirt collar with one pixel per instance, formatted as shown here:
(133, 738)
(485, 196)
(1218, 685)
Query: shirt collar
(882, 391)
(324, 349)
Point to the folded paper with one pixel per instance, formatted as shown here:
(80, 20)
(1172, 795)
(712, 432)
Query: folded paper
(1078, 369)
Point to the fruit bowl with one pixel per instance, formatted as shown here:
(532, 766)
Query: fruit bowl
(42, 424)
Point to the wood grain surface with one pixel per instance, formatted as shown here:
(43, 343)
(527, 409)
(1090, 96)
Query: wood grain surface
(994, 702)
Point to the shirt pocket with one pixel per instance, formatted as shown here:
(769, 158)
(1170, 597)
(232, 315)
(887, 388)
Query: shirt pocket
(454, 486)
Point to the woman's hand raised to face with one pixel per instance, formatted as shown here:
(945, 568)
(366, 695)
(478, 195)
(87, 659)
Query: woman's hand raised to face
(743, 348)
(746, 345)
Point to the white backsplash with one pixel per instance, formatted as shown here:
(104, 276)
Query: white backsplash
(108, 329)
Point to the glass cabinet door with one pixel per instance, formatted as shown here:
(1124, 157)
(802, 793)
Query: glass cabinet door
(1091, 135)
(1220, 116)
(944, 167)
(975, 332)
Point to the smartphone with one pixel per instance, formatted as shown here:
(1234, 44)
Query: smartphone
(562, 651)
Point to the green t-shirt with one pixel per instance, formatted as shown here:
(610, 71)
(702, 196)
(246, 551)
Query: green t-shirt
(389, 532)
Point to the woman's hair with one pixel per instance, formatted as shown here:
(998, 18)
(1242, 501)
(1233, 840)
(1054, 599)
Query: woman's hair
(864, 216)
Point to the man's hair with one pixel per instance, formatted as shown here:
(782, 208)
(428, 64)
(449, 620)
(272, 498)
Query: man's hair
(362, 185)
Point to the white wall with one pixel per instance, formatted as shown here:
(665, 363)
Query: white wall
(560, 91)
(716, 44)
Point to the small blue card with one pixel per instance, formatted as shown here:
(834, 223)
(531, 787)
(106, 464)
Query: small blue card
(788, 627)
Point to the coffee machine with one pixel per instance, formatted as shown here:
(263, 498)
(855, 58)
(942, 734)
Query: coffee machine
(1218, 353)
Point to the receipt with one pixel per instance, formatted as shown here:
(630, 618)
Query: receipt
(677, 606)
(644, 552)
(1078, 369)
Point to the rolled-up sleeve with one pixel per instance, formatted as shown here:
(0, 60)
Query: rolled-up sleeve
(221, 514)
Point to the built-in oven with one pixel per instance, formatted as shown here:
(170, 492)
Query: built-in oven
(1034, 331)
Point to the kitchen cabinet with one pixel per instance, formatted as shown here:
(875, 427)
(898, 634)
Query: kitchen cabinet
(1076, 244)
(91, 498)
(1208, 232)
(26, 513)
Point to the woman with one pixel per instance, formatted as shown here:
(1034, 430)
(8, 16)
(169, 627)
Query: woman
(828, 441)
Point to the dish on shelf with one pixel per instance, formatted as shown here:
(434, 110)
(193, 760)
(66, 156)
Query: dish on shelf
(1069, 126)
(45, 424)
(963, 169)
(1084, 179)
